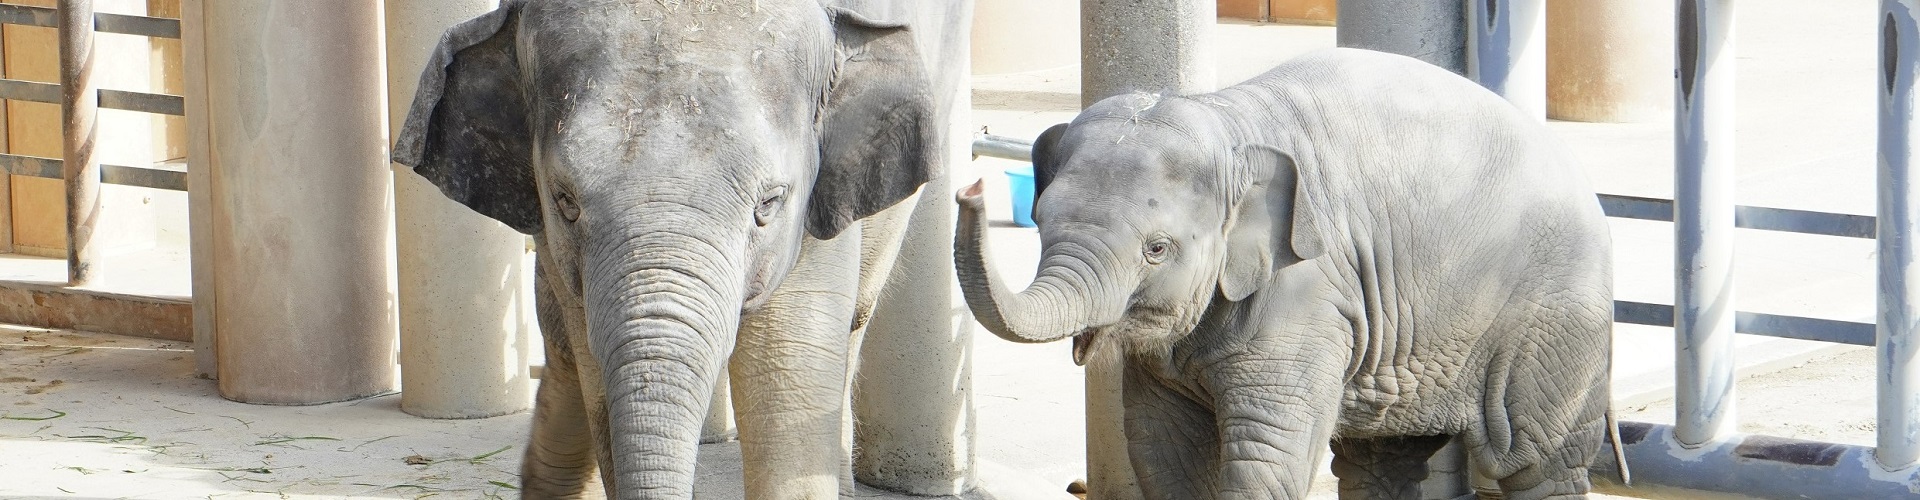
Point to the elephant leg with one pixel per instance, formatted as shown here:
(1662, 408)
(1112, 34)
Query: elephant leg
(1384, 468)
(1171, 439)
(559, 460)
(719, 426)
(1276, 412)
(1545, 409)
(790, 366)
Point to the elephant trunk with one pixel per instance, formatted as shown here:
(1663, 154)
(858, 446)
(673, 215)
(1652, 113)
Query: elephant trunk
(1046, 311)
(661, 331)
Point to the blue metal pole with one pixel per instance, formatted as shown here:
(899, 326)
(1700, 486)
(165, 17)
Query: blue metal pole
(1703, 221)
(1899, 382)
(1507, 51)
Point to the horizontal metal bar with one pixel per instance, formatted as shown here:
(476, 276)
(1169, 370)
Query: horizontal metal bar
(172, 180)
(1751, 323)
(48, 17)
(1746, 465)
(164, 104)
(1621, 206)
(157, 27)
(26, 15)
(156, 178)
(1745, 217)
(998, 146)
(141, 101)
(22, 90)
(31, 166)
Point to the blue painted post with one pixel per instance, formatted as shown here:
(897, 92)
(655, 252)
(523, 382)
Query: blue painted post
(1899, 382)
(1507, 51)
(1703, 221)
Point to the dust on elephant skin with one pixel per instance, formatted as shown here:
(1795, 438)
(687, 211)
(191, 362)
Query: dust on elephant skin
(1355, 247)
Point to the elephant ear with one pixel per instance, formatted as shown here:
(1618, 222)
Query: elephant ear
(1045, 161)
(1269, 208)
(880, 138)
(467, 130)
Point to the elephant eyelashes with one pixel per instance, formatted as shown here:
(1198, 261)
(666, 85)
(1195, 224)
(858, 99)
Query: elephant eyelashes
(1156, 250)
(770, 203)
(568, 209)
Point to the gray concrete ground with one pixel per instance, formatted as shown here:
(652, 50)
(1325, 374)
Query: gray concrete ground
(136, 424)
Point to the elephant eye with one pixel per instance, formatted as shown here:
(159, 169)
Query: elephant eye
(770, 203)
(1156, 250)
(568, 209)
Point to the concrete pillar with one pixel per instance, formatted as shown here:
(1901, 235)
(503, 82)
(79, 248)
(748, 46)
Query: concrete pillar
(200, 238)
(1507, 53)
(301, 224)
(1427, 30)
(1610, 60)
(466, 302)
(1161, 46)
(914, 427)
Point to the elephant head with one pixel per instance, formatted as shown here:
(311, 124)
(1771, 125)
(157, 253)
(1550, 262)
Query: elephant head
(670, 159)
(1148, 210)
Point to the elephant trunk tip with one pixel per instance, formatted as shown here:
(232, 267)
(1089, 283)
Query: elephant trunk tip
(970, 195)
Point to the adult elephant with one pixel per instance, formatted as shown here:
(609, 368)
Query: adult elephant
(709, 185)
(1355, 246)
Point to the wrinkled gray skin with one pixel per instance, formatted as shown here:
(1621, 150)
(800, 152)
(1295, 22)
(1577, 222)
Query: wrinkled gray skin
(703, 179)
(1355, 247)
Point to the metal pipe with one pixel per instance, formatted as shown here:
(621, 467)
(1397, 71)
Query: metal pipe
(1899, 381)
(1745, 466)
(79, 108)
(1507, 51)
(999, 146)
(1703, 221)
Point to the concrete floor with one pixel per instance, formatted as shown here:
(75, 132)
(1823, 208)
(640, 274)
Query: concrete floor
(136, 424)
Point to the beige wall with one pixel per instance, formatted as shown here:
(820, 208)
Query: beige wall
(1017, 36)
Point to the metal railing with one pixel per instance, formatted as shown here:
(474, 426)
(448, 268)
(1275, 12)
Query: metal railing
(80, 100)
(1702, 452)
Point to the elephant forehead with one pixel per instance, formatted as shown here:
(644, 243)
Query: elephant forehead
(665, 40)
(1118, 156)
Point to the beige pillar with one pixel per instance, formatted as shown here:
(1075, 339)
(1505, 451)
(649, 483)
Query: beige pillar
(1158, 46)
(301, 221)
(466, 306)
(1610, 60)
(913, 424)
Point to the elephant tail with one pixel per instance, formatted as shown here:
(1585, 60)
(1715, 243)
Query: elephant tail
(1619, 451)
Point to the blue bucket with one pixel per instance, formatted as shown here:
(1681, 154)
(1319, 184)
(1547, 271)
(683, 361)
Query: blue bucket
(1020, 179)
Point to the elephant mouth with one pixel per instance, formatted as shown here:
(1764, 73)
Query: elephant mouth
(1082, 345)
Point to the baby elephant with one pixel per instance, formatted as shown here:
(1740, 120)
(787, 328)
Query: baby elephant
(1355, 247)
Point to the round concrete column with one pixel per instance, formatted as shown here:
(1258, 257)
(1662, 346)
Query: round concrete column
(1427, 30)
(466, 308)
(302, 229)
(1610, 60)
(1156, 46)
(913, 422)
(1159, 46)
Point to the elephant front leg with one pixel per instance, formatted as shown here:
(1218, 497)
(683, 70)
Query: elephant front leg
(560, 460)
(790, 369)
(1275, 416)
(1171, 438)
